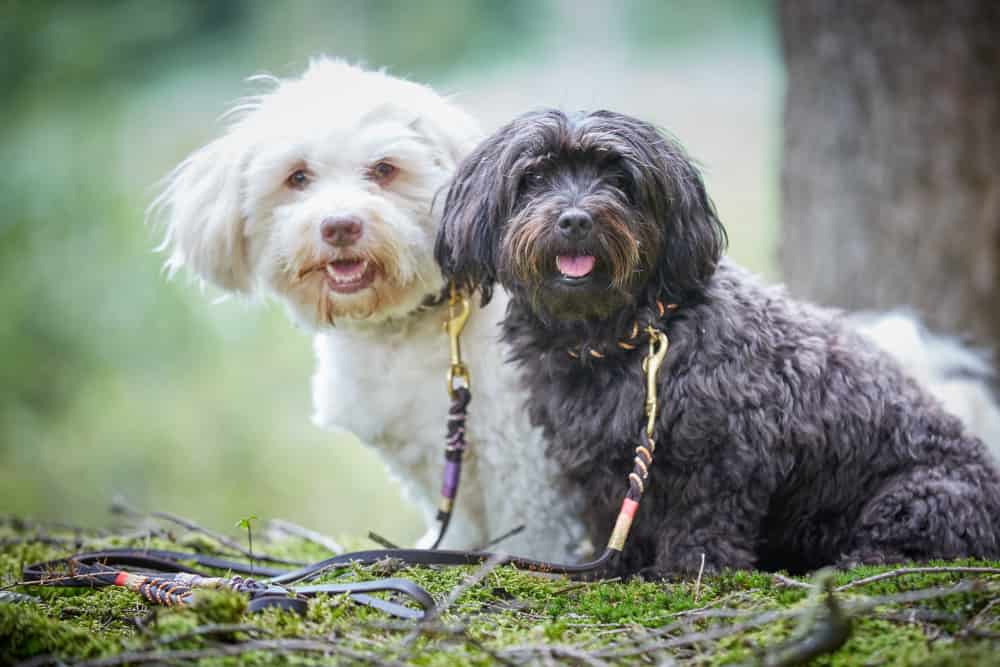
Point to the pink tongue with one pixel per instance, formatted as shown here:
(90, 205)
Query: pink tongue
(575, 266)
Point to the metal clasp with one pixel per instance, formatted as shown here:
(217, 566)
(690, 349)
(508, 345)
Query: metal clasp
(458, 315)
(658, 344)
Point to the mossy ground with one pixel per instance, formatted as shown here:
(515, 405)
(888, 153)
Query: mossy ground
(509, 617)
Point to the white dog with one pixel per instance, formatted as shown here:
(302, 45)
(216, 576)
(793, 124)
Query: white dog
(320, 193)
(958, 376)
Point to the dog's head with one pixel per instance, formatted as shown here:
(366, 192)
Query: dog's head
(320, 192)
(581, 215)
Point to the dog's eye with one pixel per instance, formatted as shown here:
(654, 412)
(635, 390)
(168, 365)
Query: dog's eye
(383, 172)
(298, 180)
(625, 184)
(530, 178)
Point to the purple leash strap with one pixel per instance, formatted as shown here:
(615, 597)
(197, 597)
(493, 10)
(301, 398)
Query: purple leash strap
(454, 452)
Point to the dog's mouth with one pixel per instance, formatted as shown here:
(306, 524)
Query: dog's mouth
(349, 275)
(575, 269)
(345, 275)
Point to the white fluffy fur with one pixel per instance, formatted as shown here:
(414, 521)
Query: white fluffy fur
(956, 375)
(231, 218)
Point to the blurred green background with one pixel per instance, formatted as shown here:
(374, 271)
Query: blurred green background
(115, 381)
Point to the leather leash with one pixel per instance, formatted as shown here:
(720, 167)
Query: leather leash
(165, 577)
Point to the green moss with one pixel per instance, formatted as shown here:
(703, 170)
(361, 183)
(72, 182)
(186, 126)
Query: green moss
(882, 642)
(507, 609)
(219, 606)
(28, 630)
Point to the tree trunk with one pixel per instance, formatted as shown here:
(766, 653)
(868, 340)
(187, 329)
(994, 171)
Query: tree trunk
(891, 174)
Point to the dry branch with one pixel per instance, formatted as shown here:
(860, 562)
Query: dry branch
(307, 534)
(916, 570)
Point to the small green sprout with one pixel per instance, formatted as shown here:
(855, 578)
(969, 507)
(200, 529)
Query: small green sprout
(246, 523)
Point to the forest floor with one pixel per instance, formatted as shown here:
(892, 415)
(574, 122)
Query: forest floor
(943, 613)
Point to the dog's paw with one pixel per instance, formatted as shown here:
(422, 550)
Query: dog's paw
(667, 575)
(656, 575)
(686, 568)
(857, 559)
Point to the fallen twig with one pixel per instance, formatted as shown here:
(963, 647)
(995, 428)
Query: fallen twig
(852, 608)
(227, 650)
(824, 627)
(865, 604)
(484, 570)
(978, 618)
(916, 570)
(505, 536)
(296, 530)
(576, 585)
(381, 541)
(213, 629)
(457, 592)
(557, 651)
(697, 583)
(708, 635)
(792, 583)
(21, 525)
(119, 506)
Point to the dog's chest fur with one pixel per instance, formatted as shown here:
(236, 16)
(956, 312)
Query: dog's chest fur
(387, 386)
(769, 401)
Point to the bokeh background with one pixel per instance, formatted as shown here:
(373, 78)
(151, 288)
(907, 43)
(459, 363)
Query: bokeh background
(114, 380)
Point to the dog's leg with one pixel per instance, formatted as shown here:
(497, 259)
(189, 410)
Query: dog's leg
(723, 531)
(927, 513)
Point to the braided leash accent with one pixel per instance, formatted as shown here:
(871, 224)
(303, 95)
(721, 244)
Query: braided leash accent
(161, 590)
(178, 588)
(454, 452)
(658, 345)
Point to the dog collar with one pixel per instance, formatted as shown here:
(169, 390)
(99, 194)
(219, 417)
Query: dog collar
(429, 303)
(628, 343)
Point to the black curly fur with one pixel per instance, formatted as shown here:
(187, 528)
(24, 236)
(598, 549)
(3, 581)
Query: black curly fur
(784, 440)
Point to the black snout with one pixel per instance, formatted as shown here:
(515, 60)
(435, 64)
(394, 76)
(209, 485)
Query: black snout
(575, 224)
(340, 232)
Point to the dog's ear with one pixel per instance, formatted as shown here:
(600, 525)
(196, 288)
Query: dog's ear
(477, 205)
(451, 130)
(201, 209)
(672, 194)
(696, 239)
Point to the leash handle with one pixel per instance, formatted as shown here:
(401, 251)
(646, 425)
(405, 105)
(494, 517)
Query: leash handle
(166, 582)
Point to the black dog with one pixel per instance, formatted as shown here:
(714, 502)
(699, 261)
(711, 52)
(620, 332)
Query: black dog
(784, 440)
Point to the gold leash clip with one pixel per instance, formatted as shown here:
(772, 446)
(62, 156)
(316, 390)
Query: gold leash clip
(658, 344)
(458, 315)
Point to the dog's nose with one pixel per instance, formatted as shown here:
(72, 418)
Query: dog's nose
(575, 224)
(340, 231)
